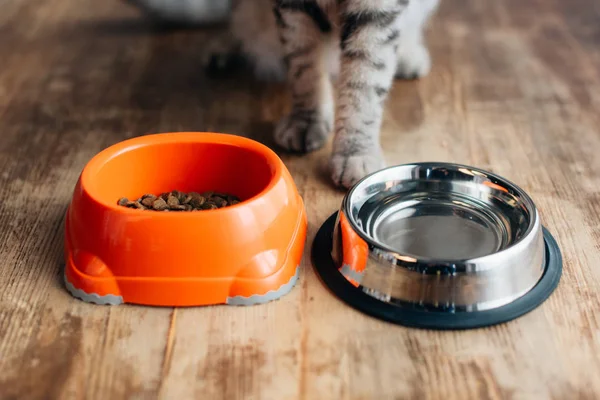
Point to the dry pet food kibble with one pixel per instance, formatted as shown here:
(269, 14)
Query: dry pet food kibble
(180, 201)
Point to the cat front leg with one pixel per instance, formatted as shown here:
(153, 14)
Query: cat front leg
(302, 26)
(413, 56)
(370, 34)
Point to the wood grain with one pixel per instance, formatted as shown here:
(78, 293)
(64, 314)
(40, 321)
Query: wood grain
(515, 89)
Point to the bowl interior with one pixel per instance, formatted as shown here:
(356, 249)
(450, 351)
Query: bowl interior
(440, 212)
(184, 166)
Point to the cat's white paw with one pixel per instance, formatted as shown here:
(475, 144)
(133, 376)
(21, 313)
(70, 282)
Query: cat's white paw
(303, 131)
(269, 69)
(414, 61)
(185, 12)
(347, 169)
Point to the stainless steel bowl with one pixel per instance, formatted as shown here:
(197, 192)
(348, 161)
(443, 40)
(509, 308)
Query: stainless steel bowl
(439, 236)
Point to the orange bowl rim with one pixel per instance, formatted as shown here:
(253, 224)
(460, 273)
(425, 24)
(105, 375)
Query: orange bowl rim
(116, 149)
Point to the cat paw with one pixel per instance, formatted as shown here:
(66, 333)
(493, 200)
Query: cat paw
(192, 12)
(348, 169)
(270, 70)
(303, 131)
(414, 61)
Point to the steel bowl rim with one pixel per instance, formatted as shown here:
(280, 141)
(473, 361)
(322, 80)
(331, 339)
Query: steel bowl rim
(533, 226)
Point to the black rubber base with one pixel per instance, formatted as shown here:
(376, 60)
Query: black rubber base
(419, 318)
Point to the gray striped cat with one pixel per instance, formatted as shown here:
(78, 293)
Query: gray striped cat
(360, 45)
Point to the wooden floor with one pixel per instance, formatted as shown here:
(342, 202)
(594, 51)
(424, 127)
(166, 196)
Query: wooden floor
(515, 89)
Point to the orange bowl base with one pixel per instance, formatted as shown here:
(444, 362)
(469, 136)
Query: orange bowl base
(189, 291)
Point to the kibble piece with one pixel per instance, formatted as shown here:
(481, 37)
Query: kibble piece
(172, 200)
(186, 199)
(177, 207)
(197, 202)
(209, 205)
(148, 200)
(123, 201)
(181, 197)
(160, 204)
(219, 202)
(173, 193)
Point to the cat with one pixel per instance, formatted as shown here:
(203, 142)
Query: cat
(358, 45)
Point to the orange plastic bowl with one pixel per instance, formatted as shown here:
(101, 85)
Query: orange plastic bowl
(243, 254)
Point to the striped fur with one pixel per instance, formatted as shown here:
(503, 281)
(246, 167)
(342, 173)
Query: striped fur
(361, 44)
